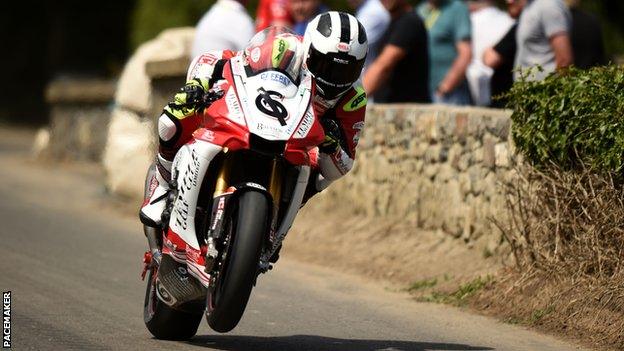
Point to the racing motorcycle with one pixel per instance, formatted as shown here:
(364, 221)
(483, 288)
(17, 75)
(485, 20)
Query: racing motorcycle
(237, 187)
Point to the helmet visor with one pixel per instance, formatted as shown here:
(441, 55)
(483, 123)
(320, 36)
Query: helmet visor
(334, 72)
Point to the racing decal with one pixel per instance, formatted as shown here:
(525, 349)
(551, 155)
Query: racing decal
(306, 124)
(189, 180)
(266, 102)
(269, 130)
(255, 185)
(203, 66)
(234, 108)
(342, 161)
(255, 54)
(208, 59)
(358, 127)
(356, 102)
(344, 47)
(279, 49)
(276, 77)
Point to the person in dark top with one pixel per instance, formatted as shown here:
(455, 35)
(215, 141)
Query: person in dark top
(586, 37)
(500, 57)
(401, 71)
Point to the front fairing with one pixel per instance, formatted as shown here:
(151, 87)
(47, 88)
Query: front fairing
(267, 105)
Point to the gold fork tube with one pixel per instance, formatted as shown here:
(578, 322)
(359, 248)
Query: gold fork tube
(275, 188)
(223, 177)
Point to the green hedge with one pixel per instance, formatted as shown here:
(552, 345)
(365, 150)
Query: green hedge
(571, 119)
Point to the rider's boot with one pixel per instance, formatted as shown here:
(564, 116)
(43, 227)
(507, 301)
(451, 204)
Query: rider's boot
(156, 191)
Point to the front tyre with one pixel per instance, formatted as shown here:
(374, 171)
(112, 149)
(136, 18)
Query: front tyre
(163, 321)
(246, 228)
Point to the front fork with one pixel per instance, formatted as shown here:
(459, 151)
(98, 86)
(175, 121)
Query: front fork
(227, 184)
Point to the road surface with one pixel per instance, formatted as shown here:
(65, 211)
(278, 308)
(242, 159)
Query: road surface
(72, 260)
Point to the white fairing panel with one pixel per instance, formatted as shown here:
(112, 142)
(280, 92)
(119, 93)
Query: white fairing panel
(189, 168)
(274, 107)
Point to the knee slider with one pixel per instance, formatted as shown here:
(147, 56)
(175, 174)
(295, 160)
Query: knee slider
(166, 128)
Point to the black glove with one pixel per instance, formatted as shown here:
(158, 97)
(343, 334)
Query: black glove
(333, 136)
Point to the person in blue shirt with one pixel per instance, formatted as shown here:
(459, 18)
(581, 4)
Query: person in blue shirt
(449, 31)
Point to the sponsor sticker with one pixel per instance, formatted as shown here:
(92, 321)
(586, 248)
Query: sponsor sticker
(255, 54)
(279, 49)
(276, 77)
(344, 47)
(208, 59)
(306, 124)
(356, 102)
(6, 320)
(234, 108)
(358, 126)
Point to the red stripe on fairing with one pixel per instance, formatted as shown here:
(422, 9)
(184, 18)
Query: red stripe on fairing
(179, 245)
(197, 273)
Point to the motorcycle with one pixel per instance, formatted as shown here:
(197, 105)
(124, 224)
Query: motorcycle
(237, 187)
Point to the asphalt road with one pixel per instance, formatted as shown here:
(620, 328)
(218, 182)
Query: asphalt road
(72, 260)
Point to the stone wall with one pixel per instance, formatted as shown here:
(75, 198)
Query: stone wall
(436, 167)
(79, 117)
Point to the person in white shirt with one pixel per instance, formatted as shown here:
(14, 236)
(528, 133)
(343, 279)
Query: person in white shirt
(226, 26)
(375, 19)
(489, 26)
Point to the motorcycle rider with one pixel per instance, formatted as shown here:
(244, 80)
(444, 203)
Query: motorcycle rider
(334, 50)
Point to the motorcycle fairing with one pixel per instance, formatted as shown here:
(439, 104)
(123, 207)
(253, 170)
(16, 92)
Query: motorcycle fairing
(189, 169)
(230, 120)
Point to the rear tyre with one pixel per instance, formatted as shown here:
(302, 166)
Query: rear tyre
(165, 322)
(248, 227)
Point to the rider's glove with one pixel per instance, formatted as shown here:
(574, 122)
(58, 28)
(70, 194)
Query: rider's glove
(189, 100)
(331, 143)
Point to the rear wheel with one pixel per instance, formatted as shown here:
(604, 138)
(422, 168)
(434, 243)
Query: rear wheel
(246, 228)
(165, 322)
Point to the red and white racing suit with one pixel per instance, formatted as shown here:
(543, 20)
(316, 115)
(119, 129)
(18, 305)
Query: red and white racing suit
(175, 128)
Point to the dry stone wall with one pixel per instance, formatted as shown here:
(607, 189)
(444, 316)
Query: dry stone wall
(79, 117)
(436, 167)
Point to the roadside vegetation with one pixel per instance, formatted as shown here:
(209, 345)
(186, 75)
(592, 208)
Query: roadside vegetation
(565, 225)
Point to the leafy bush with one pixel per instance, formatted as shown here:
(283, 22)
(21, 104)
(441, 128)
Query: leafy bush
(571, 119)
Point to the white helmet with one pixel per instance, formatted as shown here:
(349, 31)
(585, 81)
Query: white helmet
(335, 47)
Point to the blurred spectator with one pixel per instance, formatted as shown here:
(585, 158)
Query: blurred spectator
(227, 25)
(500, 58)
(586, 37)
(543, 37)
(401, 71)
(375, 19)
(489, 25)
(272, 13)
(450, 52)
(303, 11)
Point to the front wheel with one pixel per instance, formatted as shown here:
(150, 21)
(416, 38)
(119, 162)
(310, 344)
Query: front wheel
(246, 228)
